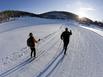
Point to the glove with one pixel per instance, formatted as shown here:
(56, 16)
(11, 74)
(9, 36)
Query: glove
(39, 40)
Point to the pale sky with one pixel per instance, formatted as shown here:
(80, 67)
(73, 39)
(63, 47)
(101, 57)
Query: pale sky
(84, 8)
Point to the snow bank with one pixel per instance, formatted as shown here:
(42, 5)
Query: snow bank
(98, 31)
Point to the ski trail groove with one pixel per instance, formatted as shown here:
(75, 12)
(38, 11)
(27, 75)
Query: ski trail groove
(15, 68)
(24, 63)
(52, 65)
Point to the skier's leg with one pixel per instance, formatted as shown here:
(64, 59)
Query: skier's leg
(65, 47)
(31, 51)
(34, 52)
(65, 50)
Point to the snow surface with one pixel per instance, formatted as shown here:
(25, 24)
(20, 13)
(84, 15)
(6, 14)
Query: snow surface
(97, 30)
(84, 56)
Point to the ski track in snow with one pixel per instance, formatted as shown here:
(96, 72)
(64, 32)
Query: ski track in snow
(84, 56)
(28, 60)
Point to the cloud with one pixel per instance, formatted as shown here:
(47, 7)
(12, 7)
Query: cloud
(87, 9)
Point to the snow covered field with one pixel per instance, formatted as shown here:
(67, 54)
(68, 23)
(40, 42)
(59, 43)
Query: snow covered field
(84, 56)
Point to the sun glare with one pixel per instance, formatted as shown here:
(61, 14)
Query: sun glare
(81, 14)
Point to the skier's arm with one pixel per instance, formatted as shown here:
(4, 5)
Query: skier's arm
(35, 40)
(70, 32)
(39, 39)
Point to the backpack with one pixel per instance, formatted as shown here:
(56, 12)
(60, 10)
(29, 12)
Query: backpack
(29, 42)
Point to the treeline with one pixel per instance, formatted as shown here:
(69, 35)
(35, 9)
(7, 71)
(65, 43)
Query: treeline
(98, 23)
(70, 16)
(11, 14)
(88, 22)
(59, 15)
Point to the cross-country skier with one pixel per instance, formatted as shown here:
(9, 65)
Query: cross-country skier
(31, 43)
(65, 36)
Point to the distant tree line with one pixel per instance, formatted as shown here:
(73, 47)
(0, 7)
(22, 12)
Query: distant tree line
(98, 23)
(12, 14)
(88, 22)
(6, 15)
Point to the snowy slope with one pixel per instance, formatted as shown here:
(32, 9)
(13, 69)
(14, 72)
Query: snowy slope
(97, 30)
(24, 22)
(13, 41)
(83, 59)
(84, 56)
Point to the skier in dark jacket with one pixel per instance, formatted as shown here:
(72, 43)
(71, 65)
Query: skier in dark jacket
(65, 36)
(31, 43)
